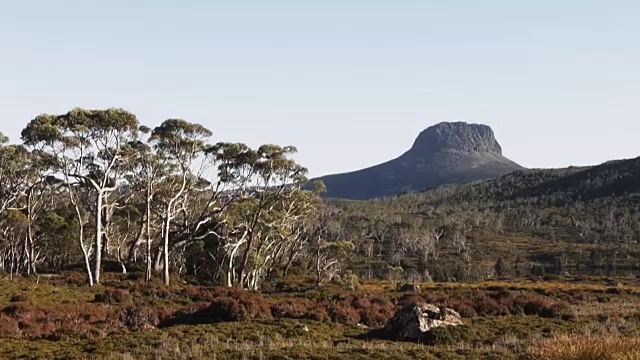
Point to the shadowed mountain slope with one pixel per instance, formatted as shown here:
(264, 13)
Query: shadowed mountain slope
(446, 153)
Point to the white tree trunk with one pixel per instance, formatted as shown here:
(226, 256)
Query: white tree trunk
(149, 261)
(167, 225)
(98, 240)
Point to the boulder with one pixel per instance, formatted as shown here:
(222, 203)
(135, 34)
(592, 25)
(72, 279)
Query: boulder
(414, 320)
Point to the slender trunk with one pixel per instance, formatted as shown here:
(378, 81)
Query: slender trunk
(105, 221)
(13, 255)
(85, 254)
(29, 240)
(133, 248)
(165, 245)
(167, 227)
(123, 266)
(98, 240)
(318, 270)
(25, 251)
(294, 253)
(230, 270)
(148, 224)
(32, 256)
(245, 261)
(157, 261)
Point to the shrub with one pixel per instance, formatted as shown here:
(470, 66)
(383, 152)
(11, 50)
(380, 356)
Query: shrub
(348, 280)
(54, 321)
(487, 306)
(449, 335)
(148, 290)
(292, 309)
(225, 309)
(138, 318)
(371, 311)
(463, 308)
(376, 314)
(113, 296)
(8, 326)
(343, 313)
(231, 304)
(20, 298)
(543, 307)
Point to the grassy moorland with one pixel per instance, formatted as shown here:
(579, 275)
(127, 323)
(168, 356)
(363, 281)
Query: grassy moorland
(563, 318)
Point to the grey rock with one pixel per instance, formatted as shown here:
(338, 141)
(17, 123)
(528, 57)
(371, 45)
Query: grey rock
(414, 320)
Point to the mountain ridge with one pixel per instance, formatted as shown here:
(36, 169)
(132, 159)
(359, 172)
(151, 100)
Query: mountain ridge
(445, 153)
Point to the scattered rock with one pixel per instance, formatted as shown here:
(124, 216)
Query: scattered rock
(414, 320)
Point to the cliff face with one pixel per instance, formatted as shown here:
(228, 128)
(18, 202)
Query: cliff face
(446, 153)
(458, 136)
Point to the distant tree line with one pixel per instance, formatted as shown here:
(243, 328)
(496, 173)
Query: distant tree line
(533, 222)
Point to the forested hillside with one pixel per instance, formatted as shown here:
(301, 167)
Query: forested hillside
(579, 220)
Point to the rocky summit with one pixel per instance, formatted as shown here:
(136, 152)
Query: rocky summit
(446, 153)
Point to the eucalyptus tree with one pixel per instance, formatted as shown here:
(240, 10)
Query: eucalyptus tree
(261, 211)
(180, 146)
(21, 192)
(87, 148)
(297, 211)
(41, 196)
(275, 200)
(144, 180)
(14, 173)
(327, 248)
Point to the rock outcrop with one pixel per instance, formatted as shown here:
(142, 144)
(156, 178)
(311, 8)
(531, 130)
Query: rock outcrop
(414, 320)
(446, 153)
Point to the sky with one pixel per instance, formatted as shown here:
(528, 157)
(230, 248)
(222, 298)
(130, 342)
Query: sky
(349, 83)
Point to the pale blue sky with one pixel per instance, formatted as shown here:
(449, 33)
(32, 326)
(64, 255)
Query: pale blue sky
(350, 83)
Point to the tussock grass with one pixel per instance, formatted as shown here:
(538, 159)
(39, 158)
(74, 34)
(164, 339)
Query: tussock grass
(577, 347)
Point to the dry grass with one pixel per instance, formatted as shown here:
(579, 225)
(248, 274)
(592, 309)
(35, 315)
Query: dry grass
(212, 346)
(576, 347)
(620, 307)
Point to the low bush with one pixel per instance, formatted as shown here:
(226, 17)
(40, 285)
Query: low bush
(449, 335)
(9, 326)
(222, 305)
(55, 321)
(302, 310)
(139, 318)
(20, 298)
(343, 313)
(113, 296)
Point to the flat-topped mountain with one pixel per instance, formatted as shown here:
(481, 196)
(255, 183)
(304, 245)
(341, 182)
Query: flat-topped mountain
(446, 153)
